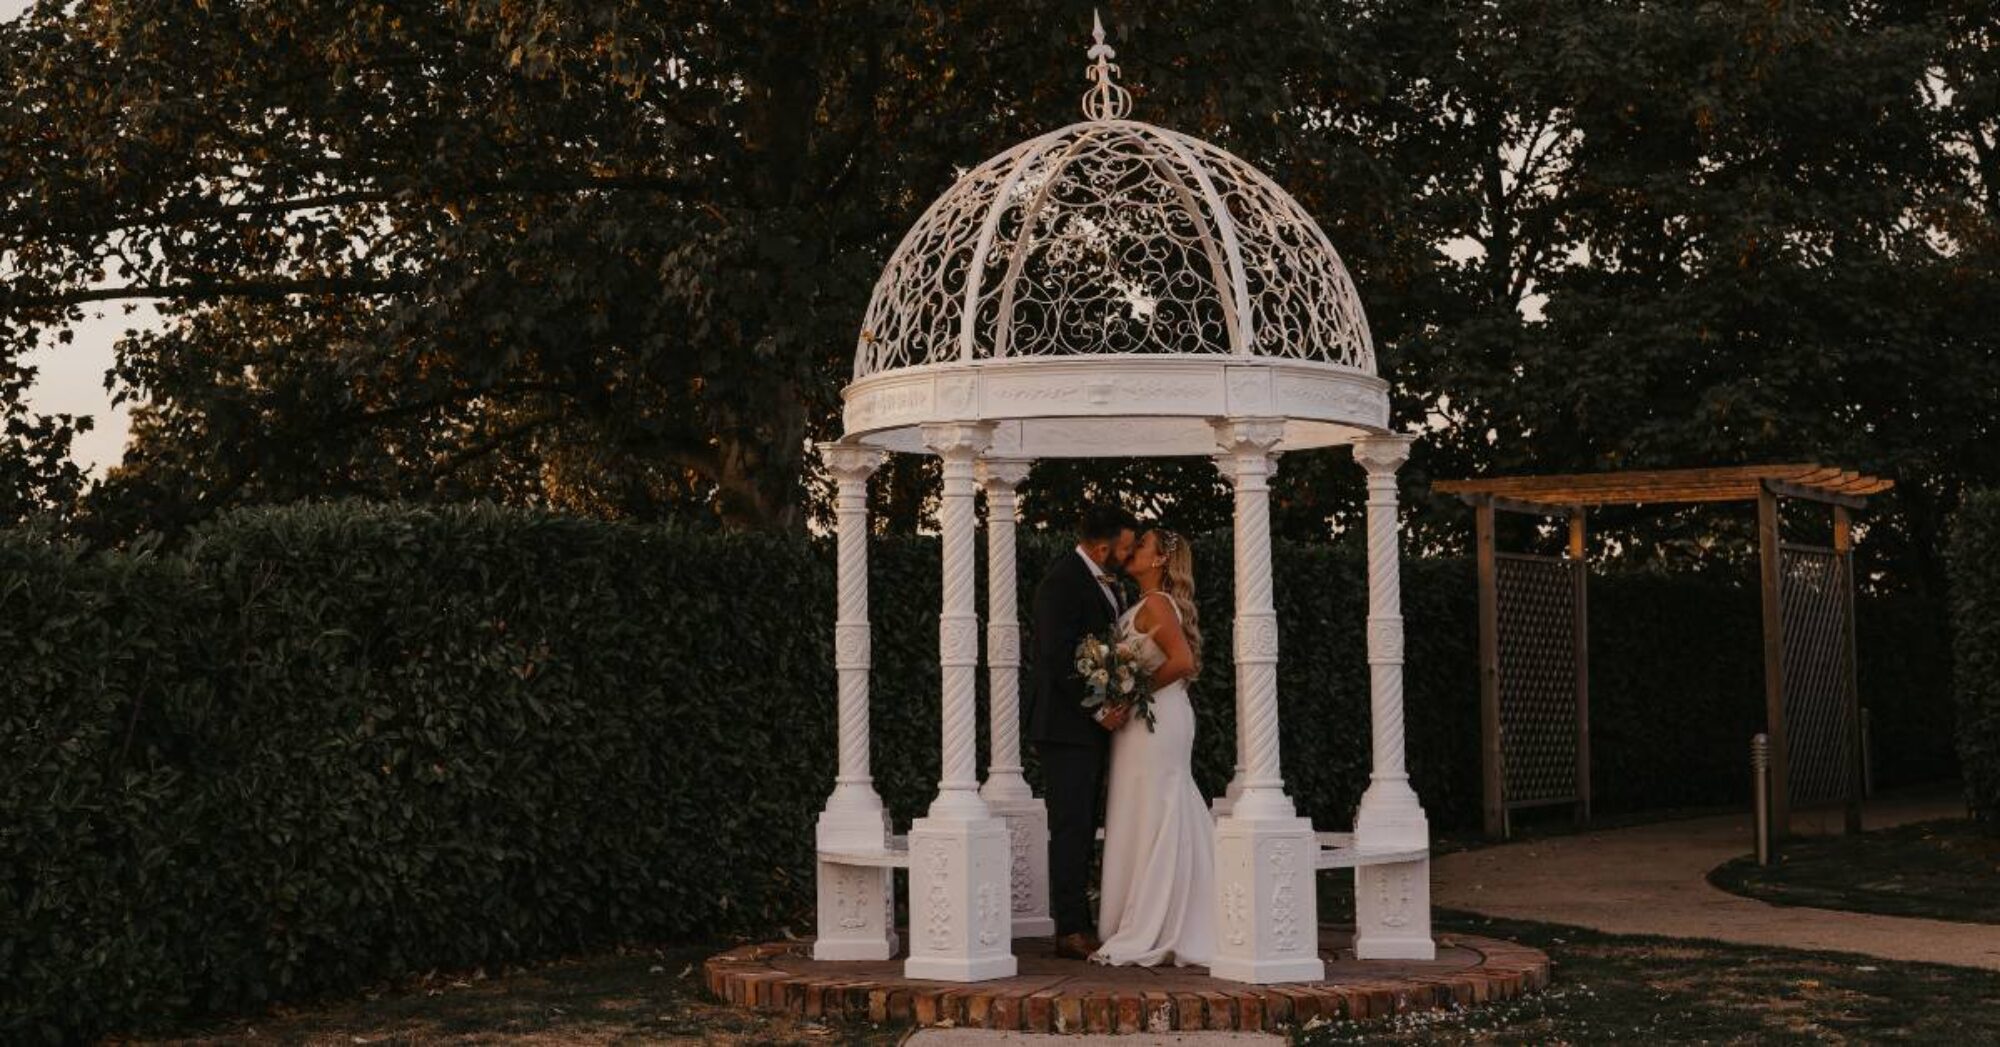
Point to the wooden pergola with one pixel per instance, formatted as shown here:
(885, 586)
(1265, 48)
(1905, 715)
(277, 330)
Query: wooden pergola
(1534, 639)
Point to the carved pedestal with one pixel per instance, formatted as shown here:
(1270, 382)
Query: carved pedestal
(1392, 911)
(1028, 866)
(961, 916)
(1268, 917)
(1392, 902)
(857, 903)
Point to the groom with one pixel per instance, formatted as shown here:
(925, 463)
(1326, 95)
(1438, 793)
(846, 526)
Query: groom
(1078, 595)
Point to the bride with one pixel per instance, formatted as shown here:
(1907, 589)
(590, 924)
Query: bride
(1158, 893)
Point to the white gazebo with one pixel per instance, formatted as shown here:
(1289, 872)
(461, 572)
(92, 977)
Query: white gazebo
(1111, 289)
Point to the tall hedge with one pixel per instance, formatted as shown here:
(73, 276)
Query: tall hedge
(1975, 612)
(321, 746)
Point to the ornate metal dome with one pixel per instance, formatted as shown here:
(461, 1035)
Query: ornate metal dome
(1110, 238)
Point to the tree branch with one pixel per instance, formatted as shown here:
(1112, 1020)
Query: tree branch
(199, 291)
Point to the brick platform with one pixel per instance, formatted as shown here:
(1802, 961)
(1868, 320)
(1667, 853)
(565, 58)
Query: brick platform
(1051, 995)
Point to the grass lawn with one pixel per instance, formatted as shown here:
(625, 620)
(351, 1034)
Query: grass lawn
(1946, 870)
(1607, 988)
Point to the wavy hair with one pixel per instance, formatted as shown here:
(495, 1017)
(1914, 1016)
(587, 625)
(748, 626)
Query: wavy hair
(1178, 581)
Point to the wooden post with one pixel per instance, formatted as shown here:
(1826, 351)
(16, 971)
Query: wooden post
(1843, 548)
(1580, 627)
(1495, 805)
(1771, 569)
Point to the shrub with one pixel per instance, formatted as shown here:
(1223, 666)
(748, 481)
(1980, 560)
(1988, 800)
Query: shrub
(1975, 614)
(326, 745)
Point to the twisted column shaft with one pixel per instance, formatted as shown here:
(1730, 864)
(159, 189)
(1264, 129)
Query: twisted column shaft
(958, 623)
(1256, 632)
(851, 466)
(1381, 456)
(1000, 477)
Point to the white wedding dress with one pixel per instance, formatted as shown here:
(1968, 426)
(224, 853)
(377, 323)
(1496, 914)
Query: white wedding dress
(1158, 894)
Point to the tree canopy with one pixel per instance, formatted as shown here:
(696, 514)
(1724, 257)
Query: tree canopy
(611, 257)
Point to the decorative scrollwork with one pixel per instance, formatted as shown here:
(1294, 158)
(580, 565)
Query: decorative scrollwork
(1113, 236)
(849, 897)
(938, 928)
(1393, 897)
(1258, 638)
(993, 913)
(1284, 902)
(1020, 869)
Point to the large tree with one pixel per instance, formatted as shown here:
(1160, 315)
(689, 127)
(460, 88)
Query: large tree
(611, 256)
(601, 255)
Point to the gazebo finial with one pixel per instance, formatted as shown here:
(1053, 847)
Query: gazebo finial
(1105, 100)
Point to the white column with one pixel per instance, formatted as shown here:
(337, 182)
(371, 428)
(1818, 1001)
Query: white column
(1265, 854)
(1392, 901)
(960, 913)
(1225, 463)
(856, 903)
(1006, 791)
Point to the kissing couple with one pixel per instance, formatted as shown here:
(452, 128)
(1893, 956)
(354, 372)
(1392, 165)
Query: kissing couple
(1157, 892)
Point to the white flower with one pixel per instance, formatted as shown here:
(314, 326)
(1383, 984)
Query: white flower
(1099, 678)
(1124, 684)
(1084, 666)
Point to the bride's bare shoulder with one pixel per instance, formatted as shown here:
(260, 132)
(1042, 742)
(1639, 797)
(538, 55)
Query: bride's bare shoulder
(1155, 610)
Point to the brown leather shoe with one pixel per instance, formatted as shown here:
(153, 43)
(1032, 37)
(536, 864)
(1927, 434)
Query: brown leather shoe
(1077, 946)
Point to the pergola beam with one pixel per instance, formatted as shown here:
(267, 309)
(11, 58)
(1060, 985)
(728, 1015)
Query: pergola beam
(1815, 494)
(1556, 495)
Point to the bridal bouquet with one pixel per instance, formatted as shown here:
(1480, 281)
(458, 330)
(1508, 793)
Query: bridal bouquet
(1112, 674)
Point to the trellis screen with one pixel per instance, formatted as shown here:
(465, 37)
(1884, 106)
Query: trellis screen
(1538, 693)
(1816, 599)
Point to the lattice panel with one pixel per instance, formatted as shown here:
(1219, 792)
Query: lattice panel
(1537, 605)
(1819, 722)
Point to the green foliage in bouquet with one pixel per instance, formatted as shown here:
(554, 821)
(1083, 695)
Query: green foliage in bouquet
(1113, 676)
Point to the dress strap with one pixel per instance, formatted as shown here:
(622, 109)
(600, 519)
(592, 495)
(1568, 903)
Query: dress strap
(1171, 602)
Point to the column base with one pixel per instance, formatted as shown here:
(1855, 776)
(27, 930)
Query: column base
(1028, 868)
(1266, 901)
(944, 969)
(1390, 818)
(961, 925)
(857, 904)
(857, 913)
(1392, 912)
(1267, 972)
(1222, 805)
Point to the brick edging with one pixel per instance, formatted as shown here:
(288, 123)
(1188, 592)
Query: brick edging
(751, 976)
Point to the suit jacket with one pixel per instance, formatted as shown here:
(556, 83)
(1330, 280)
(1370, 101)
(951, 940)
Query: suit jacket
(1068, 604)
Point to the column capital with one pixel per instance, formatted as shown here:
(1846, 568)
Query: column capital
(851, 462)
(1225, 463)
(1383, 454)
(1008, 473)
(1249, 436)
(958, 441)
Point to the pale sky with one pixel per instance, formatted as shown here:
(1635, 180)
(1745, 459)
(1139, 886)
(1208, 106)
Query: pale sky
(71, 378)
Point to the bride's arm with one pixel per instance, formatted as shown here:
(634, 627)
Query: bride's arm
(1156, 617)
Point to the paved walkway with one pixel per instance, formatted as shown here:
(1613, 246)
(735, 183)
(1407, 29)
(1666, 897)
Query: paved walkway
(990, 1037)
(1652, 879)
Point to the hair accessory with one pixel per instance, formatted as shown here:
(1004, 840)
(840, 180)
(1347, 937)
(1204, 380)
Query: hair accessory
(1169, 541)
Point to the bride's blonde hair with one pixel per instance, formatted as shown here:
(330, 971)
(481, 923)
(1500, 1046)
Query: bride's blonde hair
(1177, 579)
